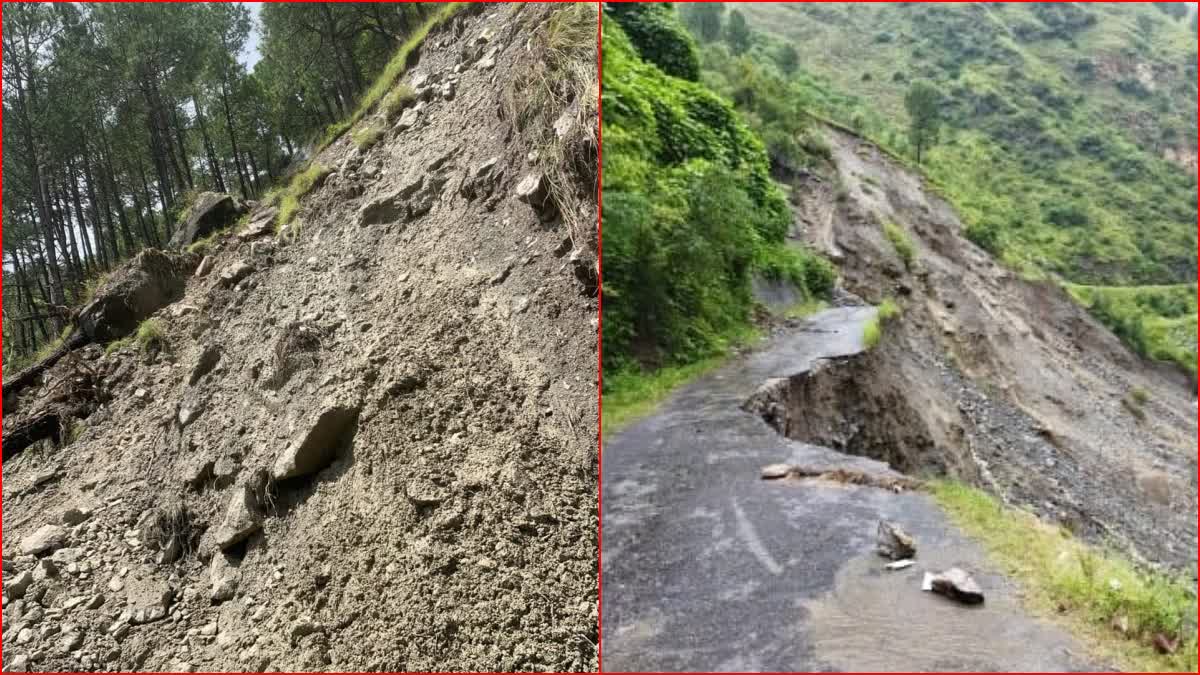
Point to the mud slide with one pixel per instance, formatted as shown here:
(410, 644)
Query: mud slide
(709, 567)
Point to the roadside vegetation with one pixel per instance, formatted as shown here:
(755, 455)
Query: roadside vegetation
(1119, 608)
(873, 329)
(691, 212)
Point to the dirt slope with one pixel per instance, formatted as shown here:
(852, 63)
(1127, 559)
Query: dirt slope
(382, 430)
(998, 380)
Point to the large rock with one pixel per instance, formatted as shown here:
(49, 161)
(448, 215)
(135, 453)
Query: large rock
(212, 211)
(242, 518)
(317, 447)
(893, 542)
(47, 539)
(151, 281)
(224, 578)
(956, 584)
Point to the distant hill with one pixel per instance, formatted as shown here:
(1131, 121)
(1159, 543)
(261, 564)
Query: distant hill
(1070, 136)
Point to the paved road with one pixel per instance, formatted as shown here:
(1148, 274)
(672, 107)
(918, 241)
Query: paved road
(707, 567)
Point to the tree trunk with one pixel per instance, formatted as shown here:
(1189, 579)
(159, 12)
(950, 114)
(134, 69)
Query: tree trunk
(233, 139)
(208, 147)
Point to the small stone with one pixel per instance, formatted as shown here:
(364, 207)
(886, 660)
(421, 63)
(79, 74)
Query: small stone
(17, 587)
(893, 542)
(119, 631)
(408, 118)
(95, 602)
(208, 629)
(19, 664)
(223, 578)
(242, 519)
(520, 305)
(116, 585)
(533, 190)
(47, 539)
(303, 627)
(205, 266)
(74, 517)
(775, 471)
(44, 569)
(71, 641)
(234, 273)
(956, 584)
(148, 615)
(314, 450)
(25, 636)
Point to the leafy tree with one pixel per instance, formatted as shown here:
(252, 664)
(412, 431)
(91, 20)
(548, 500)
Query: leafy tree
(788, 58)
(117, 113)
(924, 105)
(737, 33)
(659, 37)
(705, 19)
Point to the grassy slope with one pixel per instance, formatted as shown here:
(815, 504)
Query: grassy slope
(1059, 139)
(1087, 589)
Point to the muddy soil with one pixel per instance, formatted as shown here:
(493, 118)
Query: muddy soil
(374, 440)
(991, 378)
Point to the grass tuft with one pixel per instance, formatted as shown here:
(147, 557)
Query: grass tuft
(366, 137)
(901, 242)
(873, 330)
(300, 185)
(402, 96)
(150, 335)
(1089, 589)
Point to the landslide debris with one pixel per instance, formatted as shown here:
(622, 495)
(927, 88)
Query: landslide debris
(365, 444)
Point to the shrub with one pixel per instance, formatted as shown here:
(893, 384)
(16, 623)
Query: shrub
(659, 37)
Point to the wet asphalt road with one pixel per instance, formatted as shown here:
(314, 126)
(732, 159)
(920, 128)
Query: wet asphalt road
(707, 567)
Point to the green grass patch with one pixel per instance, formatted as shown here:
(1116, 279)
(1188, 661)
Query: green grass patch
(117, 345)
(632, 394)
(300, 185)
(366, 137)
(873, 329)
(1086, 588)
(150, 334)
(901, 242)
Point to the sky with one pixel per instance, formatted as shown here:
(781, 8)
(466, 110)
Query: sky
(250, 55)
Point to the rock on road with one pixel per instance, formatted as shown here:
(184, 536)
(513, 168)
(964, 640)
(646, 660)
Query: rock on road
(708, 567)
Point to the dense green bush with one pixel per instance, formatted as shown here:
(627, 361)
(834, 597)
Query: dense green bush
(690, 214)
(659, 37)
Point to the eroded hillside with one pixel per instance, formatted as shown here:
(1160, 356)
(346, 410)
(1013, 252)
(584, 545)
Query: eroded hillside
(367, 442)
(985, 376)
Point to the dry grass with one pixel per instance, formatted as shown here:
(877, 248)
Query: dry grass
(366, 137)
(559, 77)
(172, 522)
(400, 98)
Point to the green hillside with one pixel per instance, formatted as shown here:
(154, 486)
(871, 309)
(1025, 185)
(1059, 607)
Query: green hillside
(1068, 131)
(690, 210)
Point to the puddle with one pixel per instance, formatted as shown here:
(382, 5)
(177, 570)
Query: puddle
(875, 620)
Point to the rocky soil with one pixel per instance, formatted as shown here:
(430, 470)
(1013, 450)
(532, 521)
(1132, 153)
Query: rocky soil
(989, 377)
(369, 443)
